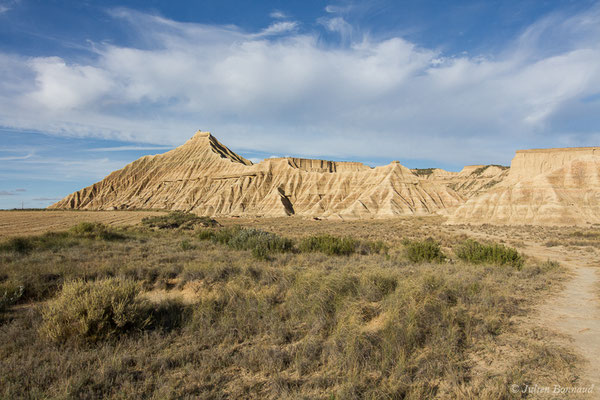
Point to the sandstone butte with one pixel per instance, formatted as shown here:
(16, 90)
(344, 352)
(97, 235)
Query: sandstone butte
(552, 186)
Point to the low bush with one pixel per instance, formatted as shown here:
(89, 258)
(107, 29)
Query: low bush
(262, 244)
(97, 310)
(369, 247)
(95, 230)
(10, 293)
(330, 245)
(178, 219)
(423, 251)
(474, 252)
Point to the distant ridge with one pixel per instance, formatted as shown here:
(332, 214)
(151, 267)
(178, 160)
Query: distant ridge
(206, 177)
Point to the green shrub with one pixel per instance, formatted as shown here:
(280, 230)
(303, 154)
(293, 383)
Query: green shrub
(9, 294)
(178, 219)
(423, 251)
(262, 244)
(474, 252)
(368, 247)
(20, 245)
(92, 311)
(206, 234)
(95, 230)
(249, 239)
(330, 245)
(186, 245)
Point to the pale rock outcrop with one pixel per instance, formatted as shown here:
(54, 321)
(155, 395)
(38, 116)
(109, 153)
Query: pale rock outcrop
(205, 177)
(471, 181)
(546, 186)
(543, 187)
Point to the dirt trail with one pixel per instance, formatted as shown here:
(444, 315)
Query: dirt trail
(575, 311)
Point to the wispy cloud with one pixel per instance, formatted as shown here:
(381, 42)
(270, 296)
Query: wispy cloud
(282, 90)
(336, 9)
(12, 192)
(129, 148)
(278, 28)
(13, 158)
(278, 14)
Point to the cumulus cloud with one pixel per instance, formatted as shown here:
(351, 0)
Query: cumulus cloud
(282, 90)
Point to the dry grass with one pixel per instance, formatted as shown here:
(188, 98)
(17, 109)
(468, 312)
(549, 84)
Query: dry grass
(213, 321)
(24, 223)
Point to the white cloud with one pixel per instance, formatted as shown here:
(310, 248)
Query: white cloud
(278, 28)
(129, 148)
(282, 91)
(278, 14)
(339, 25)
(332, 9)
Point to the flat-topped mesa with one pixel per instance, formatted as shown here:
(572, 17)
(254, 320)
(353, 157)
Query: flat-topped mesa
(314, 165)
(543, 187)
(529, 163)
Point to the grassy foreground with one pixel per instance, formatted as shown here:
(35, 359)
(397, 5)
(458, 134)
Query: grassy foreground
(212, 312)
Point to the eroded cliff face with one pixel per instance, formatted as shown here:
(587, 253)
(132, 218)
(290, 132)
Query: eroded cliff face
(542, 187)
(552, 186)
(205, 177)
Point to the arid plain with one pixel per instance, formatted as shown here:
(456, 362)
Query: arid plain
(374, 322)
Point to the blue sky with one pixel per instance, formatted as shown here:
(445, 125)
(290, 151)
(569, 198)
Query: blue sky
(87, 87)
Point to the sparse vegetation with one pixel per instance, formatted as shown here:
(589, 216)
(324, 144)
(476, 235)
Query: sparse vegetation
(9, 294)
(92, 311)
(474, 252)
(178, 220)
(262, 244)
(428, 250)
(423, 171)
(330, 245)
(57, 240)
(203, 312)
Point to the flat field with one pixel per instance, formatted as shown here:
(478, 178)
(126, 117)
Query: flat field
(292, 308)
(19, 223)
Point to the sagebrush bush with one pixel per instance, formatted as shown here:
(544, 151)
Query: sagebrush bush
(423, 251)
(330, 245)
(95, 310)
(474, 252)
(95, 230)
(262, 244)
(10, 293)
(178, 219)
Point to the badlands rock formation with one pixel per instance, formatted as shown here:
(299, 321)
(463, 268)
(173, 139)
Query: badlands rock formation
(543, 187)
(204, 176)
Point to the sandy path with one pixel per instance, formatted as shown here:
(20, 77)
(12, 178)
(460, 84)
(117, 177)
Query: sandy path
(575, 311)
